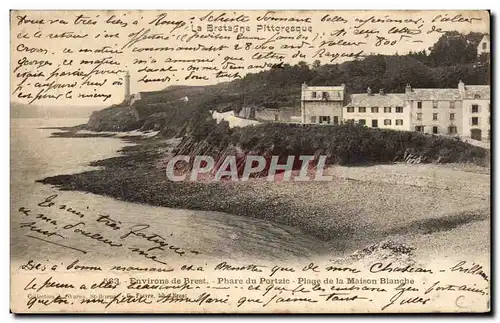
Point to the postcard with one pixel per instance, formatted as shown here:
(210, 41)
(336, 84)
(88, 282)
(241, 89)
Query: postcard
(268, 161)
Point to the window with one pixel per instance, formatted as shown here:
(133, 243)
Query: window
(434, 104)
(350, 109)
(452, 104)
(375, 123)
(484, 45)
(419, 105)
(419, 128)
(387, 109)
(399, 122)
(452, 116)
(335, 120)
(387, 122)
(434, 116)
(314, 95)
(276, 117)
(435, 129)
(476, 134)
(362, 109)
(324, 119)
(452, 130)
(325, 95)
(419, 116)
(475, 108)
(475, 121)
(399, 109)
(313, 119)
(374, 109)
(362, 122)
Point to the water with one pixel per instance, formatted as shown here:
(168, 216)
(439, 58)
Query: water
(214, 235)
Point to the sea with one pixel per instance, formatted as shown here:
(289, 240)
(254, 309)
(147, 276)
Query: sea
(209, 235)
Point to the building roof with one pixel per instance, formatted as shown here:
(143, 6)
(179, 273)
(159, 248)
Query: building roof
(377, 100)
(477, 92)
(325, 88)
(485, 38)
(434, 94)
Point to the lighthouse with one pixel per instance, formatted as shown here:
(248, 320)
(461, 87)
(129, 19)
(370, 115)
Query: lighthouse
(127, 87)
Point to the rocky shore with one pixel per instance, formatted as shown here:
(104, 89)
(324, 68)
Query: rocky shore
(351, 210)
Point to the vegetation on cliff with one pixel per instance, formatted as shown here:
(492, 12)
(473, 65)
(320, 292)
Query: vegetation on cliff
(345, 144)
(451, 59)
(114, 118)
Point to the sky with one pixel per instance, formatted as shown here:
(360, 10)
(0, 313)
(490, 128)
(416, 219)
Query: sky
(425, 27)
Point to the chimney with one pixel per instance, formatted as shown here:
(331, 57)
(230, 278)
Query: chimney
(381, 91)
(408, 88)
(369, 91)
(461, 86)
(303, 90)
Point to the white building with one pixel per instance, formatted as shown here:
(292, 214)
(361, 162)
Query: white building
(381, 110)
(436, 111)
(484, 45)
(463, 111)
(322, 104)
(476, 111)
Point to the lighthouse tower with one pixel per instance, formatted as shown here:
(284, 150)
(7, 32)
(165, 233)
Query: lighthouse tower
(127, 87)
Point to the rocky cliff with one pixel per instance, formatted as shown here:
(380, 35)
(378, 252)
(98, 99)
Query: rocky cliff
(114, 118)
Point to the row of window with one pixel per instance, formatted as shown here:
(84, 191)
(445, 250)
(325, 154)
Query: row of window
(474, 120)
(325, 119)
(375, 109)
(435, 104)
(452, 130)
(324, 95)
(387, 122)
(435, 116)
(475, 107)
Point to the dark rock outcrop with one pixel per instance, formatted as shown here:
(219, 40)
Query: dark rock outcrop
(115, 118)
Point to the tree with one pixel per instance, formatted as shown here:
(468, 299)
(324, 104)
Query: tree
(454, 48)
(316, 65)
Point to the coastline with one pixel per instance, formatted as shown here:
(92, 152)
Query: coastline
(350, 211)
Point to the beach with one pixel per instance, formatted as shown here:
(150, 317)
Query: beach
(425, 205)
